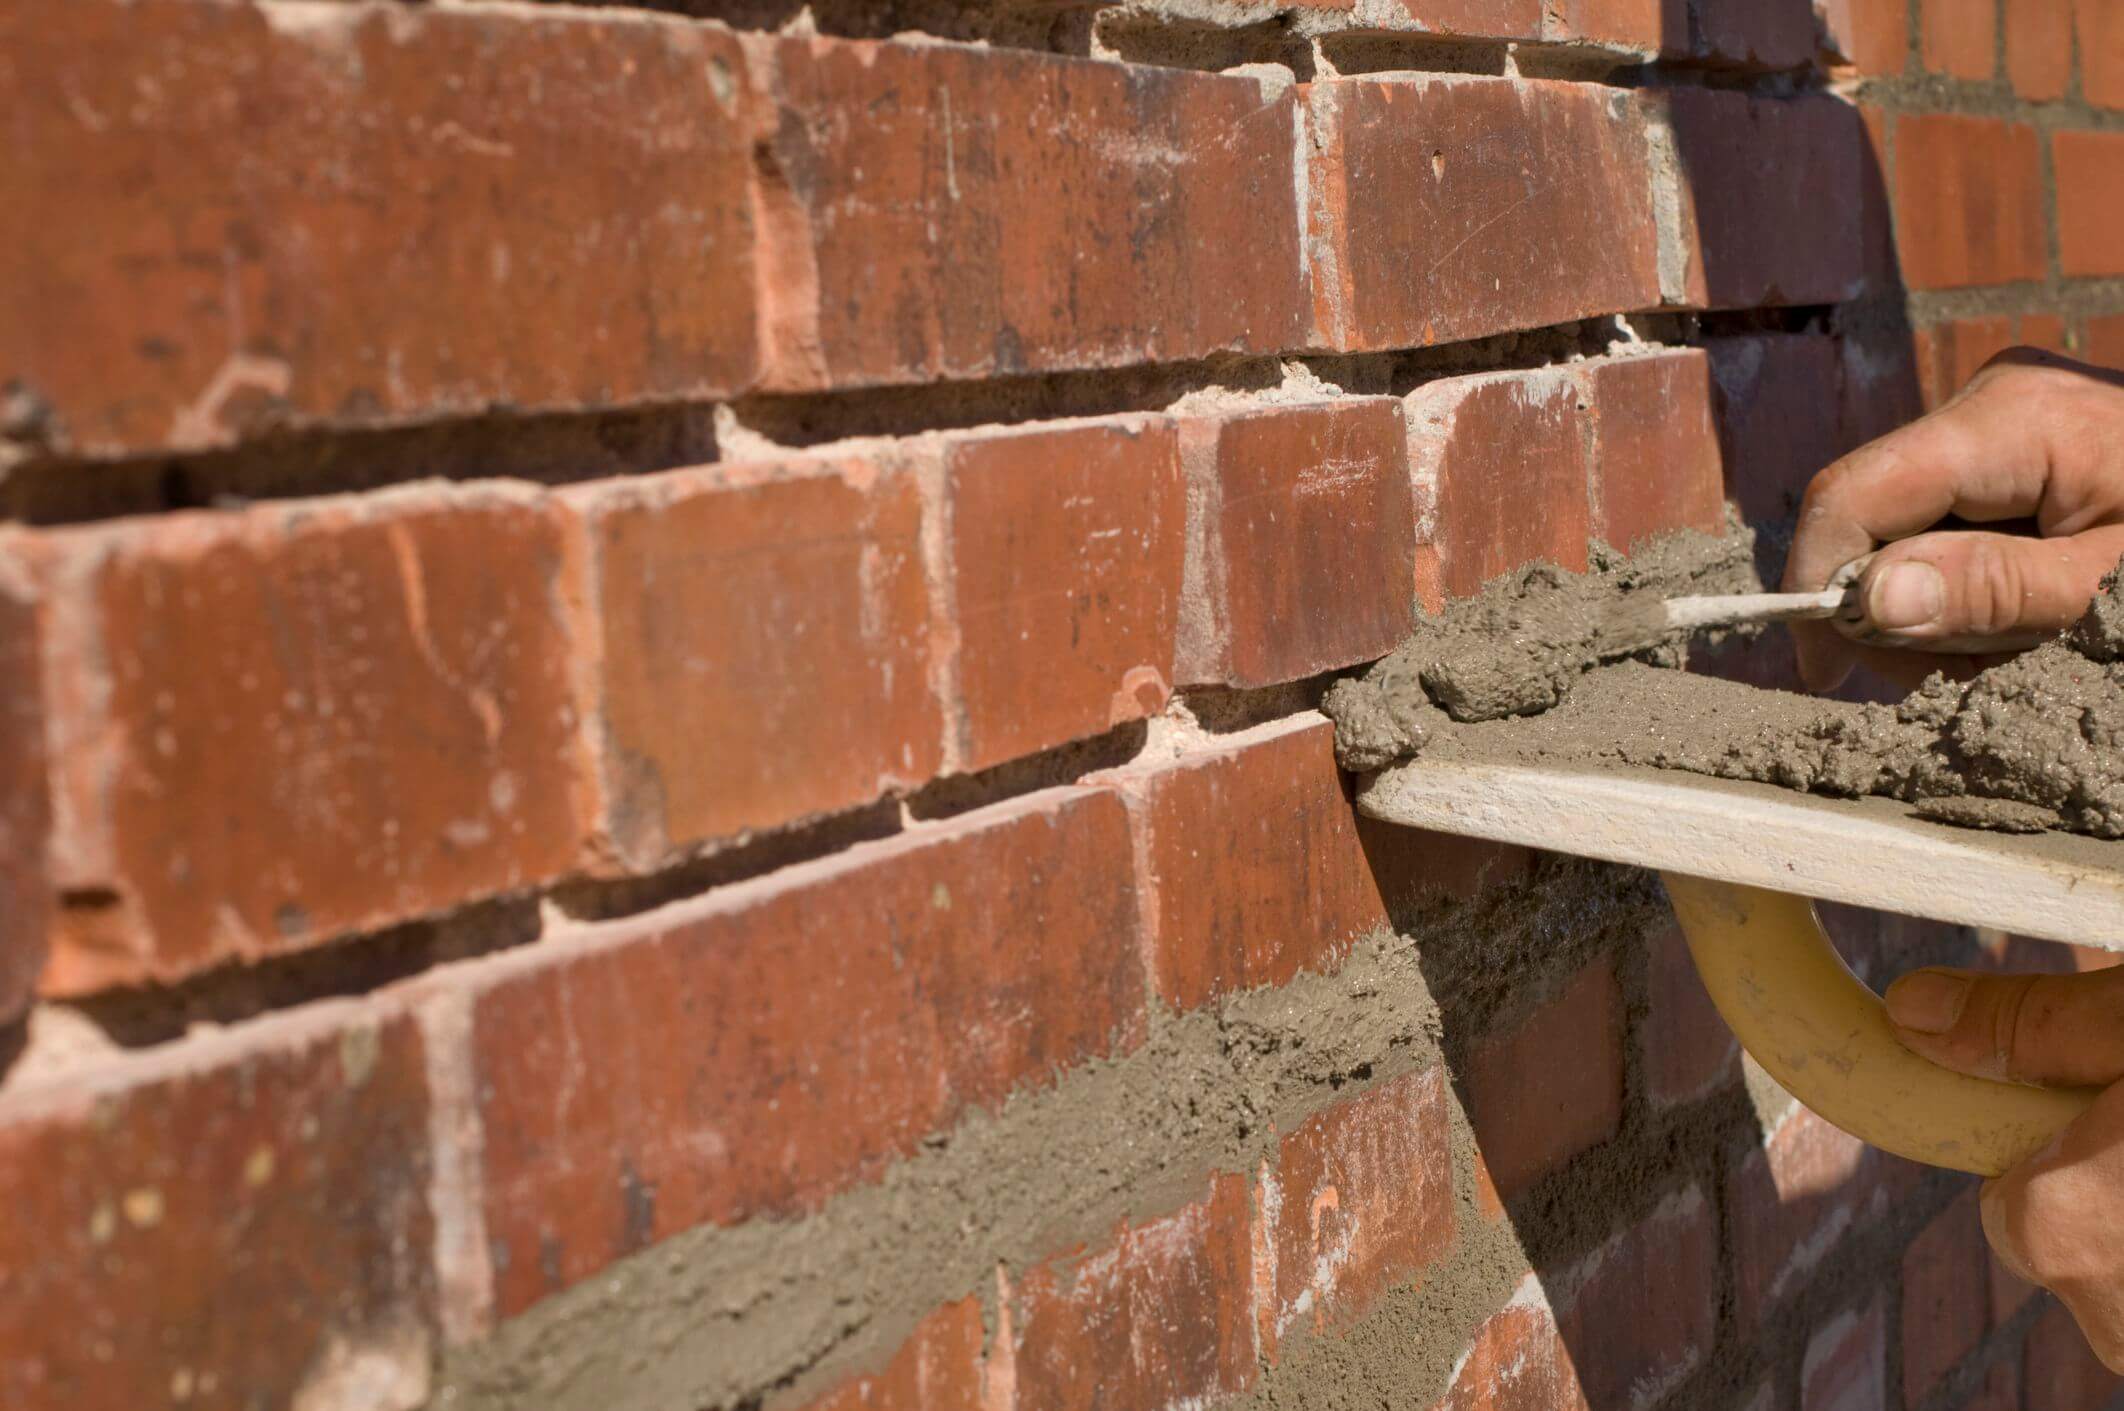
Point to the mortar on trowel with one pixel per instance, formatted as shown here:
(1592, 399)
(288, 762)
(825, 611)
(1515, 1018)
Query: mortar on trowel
(1742, 863)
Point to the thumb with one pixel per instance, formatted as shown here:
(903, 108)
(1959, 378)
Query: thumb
(1967, 591)
(2053, 1030)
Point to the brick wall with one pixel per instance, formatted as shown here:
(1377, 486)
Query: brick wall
(660, 672)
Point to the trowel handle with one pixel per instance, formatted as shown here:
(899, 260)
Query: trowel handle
(1816, 1028)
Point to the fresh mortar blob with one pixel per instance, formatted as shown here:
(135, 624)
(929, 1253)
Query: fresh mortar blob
(2037, 743)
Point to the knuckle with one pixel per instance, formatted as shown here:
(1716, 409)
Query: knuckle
(1994, 587)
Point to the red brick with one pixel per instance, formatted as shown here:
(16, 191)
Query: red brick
(2009, 1292)
(1762, 34)
(1412, 867)
(1258, 871)
(2105, 340)
(1880, 386)
(2060, 1371)
(1946, 1296)
(1303, 541)
(1877, 257)
(665, 1072)
(1949, 354)
(1160, 1317)
(1479, 227)
(941, 211)
(25, 805)
(938, 1368)
(2089, 167)
(1956, 37)
(1968, 201)
(766, 648)
(1360, 1201)
(2045, 331)
(2099, 28)
(1872, 36)
(1549, 1085)
(1845, 1368)
(1517, 1362)
(238, 1220)
(1633, 26)
(1065, 547)
(1689, 1052)
(1750, 165)
(1501, 468)
(2000, 1391)
(1643, 1311)
(311, 227)
(1486, 19)
(275, 726)
(1791, 1203)
(1656, 463)
(1778, 396)
(2039, 47)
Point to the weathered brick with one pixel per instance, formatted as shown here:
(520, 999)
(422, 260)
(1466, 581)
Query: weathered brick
(1643, 1311)
(1956, 37)
(1516, 1362)
(227, 219)
(2039, 47)
(2098, 26)
(1255, 859)
(2089, 168)
(1999, 1391)
(1950, 353)
(1656, 464)
(1631, 26)
(276, 726)
(1761, 34)
(1302, 540)
(1872, 36)
(752, 1053)
(1845, 1366)
(1878, 260)
(1749, 165)
(2060, 1371)
(1689, 1053)
(1791, 1203)
(766, 646)
(1946, 1296)
(938, 1368)
(1485, 19)
(238, 1220)
(1532, 1111)
(1501, 470)
(1359, 1201)
(939, 211)
(1968, 201)
(1778, 397)
(25, 804)
(1478, 227)
(1160, 1317)
(1065, 548)
(2105, 340)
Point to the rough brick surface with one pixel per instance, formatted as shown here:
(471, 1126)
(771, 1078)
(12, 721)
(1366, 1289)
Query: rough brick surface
(2098, 26)
(1763, 34)
(1872, 36)
(1778, 397)
(2105, 340)
(1517, 1362)
(1643, 1310)
(2089, 168)
(1956, 37)
(1946, 1297)
(1478, 227)
(1949, 354)
(1968, 201)
(1789, 1205)
(1502, 19)
(938, 1368)
(1065, 547)
(1254, 857)
(1302, 541)
(1689, 1053)
(932, 209)
(275, 726)
(766, 646)
(316, 224)
(1845, 1367)
(1359, 1201)
(2039, 47)
(1501, 467)
(25, 807)
(1745, 166)
(1532, 1113)
(1656, 463)
(666, 1072)
(1632, 26)
(239, 1222)
(1161, 1317)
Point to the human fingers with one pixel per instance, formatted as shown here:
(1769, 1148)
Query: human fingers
(2055, 1030)
(1968, 591)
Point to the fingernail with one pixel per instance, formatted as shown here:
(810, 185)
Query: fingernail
(1905, 595)
(1927, 1001)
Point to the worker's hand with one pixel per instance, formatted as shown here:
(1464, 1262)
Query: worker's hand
(2058, 1218)
(2033, 437)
